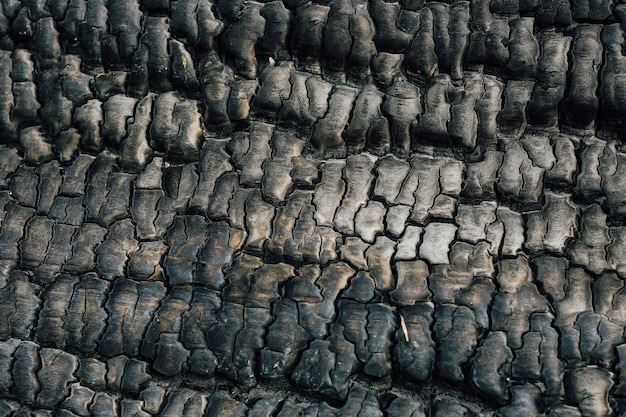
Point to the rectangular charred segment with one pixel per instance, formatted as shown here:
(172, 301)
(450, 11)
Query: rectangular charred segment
(176, 128)
(277, 357)
(421, 58)
(87, 21)
(130, 307)
(25, 104)
(250, 151)
(363, 48)
(451, 30)
(368, 127)
(239, 39)
(524, 49)
(184, 239)
(215, 84)
(7, 126)
(602, 169)
(415, 350)
(222, 241)
(326, 136)
(124, 17)
(20, 306)
(308, 101)
(277, 180)
(582, 103)
(33, 248)
(57, 253)
(489, 35)
(214, 162)
(166, 325)
(24, 186)
(117, 110)
(285, 237)
(336, 45)
(403, 105)
(151, 64)
(491, 366)
(12, 230)
(143, 211)
(274, 88)
(358, 176)
(488, 106)
(244, 336)
(612, 75)
(254, 284)
(112, 255)
(431, 187)
(550, 81)
(278, 20)
(460, 116)
(239, 102)
(519, 178)
(259, 215)
(389, 36)
(52, 379)
(135, 152)
(551, 228)
(84, 242)
(183, 71)
(307, 38)
(56, 111)
(46, 41)
(456, 332)
(84, 310)
(513, 307)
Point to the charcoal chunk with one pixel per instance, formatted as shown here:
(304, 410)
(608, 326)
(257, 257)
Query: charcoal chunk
(415, 350)
(130, 307)
(171, 355)
(589, 389)
(273, 42)
(524, 49)
(25, 367)
(20, 304)
(56, 374)
(240, 38)
(491, 367)
(582, 104)
(310, 19)
(457, 334)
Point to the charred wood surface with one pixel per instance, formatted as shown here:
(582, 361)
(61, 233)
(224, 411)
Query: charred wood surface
(328, 208)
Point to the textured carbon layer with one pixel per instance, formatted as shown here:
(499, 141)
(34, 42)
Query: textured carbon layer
(333, 208)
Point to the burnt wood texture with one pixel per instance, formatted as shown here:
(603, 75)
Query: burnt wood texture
(332, 208)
